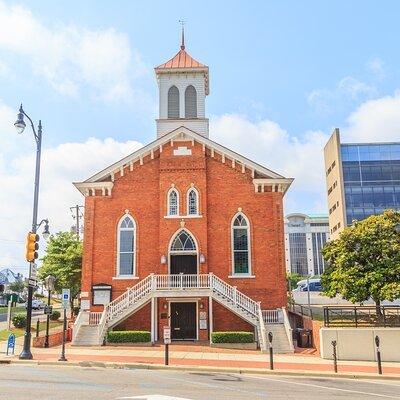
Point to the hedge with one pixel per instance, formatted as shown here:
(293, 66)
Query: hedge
(55, 315)
(232, 337)
(128, 337)
(19, 320)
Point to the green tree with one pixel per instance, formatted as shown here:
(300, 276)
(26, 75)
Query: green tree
(364, 262)
(18, 286)
(292, 279)
(63, 260)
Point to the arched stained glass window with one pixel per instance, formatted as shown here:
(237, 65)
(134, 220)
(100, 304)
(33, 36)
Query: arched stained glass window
(192, 202)
(173, 102)
(183, 242)
(126, 246)
(173, 202)
(190, 102)
(240, 245)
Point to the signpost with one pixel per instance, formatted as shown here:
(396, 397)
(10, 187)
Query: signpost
(65, 298)
(167, 342)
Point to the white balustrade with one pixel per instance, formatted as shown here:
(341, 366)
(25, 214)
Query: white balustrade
(94, 318)
(273, 316)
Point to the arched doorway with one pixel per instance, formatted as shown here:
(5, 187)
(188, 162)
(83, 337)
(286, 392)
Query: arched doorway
(183, 254)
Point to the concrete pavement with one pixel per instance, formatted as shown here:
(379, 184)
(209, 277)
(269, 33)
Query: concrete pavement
(19, 382)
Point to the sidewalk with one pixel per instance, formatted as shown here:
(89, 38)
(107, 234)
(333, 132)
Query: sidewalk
(184, 355)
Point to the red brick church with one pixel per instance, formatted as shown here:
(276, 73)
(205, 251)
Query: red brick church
(183, 232)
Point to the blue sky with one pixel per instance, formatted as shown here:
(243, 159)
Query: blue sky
(283, 75)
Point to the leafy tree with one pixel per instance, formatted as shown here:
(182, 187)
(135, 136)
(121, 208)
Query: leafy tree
(63, 260)
(18, 286)
(364, 262)
(292, 279)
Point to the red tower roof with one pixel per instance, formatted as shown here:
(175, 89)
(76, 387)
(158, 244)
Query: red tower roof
(181, 60)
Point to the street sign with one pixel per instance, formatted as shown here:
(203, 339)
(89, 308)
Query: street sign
(167, 334)
(33, 271)
(48, 310)
(11, 343)
(65, 297)
(32, 282)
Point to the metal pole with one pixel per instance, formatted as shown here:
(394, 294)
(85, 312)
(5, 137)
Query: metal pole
(166, 354)
(271, 351)
(308, 293)
(37, 328)
(46, 341)
(26, 351)
(334, 343)
(378, 355)
(77, 221)
(62, 357)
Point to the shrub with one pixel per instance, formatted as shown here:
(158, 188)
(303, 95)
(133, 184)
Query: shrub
(19, 320)
(232, 337)
(128, 337)
(55, 315)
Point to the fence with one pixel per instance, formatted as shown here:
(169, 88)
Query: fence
(362, 316)
(302, 310)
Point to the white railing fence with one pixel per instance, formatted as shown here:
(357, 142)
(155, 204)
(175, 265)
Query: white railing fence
(143, 290)
(288, 328)
(273, 316)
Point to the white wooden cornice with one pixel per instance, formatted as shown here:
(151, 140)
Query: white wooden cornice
(90, 188)
(182, 133)
(276, 185)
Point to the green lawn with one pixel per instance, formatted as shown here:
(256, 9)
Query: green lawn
(3, 310)
(19, 332)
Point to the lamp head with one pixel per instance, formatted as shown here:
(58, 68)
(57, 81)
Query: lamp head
(46, 232)
(20, 123)
(50, 282)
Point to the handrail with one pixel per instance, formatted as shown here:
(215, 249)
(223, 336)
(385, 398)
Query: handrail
(288, 328)
(140, 292)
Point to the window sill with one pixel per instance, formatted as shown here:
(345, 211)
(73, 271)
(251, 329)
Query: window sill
(125, 277)
(182, 216)
(241, 276)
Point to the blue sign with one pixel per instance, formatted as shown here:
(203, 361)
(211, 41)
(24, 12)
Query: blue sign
(11, 342)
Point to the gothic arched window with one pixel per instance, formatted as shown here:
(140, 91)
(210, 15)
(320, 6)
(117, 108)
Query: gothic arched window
(190, 102)
(183, 242)
(241, 245)
(126, 246)
(173, 202)
(173, 102)
(192, 202)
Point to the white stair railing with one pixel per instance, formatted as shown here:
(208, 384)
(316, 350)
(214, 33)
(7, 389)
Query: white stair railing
(144, 289)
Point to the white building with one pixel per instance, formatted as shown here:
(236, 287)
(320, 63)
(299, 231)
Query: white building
(305, 236)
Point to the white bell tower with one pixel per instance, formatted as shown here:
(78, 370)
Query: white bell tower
(183, 85)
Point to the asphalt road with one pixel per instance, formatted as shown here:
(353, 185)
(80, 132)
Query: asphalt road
(19, 382)
(3, 316)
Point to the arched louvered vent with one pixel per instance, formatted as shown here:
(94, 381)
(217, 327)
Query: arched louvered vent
(173, 102)
(190, 102)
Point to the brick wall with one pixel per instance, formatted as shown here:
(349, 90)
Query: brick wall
(223, 189)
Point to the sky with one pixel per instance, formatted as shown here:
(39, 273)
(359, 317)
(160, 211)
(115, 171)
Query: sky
(283, 75)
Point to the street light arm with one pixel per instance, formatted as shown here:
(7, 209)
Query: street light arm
(32, 125)
(45, 221)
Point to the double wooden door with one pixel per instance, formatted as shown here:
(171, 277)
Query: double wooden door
(183, 321)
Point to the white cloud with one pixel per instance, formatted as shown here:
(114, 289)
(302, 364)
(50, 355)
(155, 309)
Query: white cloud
(61, 165)
(377, 67)
(348, 89)
(374, 121)
(272, 146)
(72, 57)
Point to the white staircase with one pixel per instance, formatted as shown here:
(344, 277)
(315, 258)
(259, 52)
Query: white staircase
(91, 328)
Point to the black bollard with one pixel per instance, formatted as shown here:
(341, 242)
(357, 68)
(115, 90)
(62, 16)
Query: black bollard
(378, 355)
(334, 343)
(271, 351)
(62, 357)
(37, 328)
(166, 354)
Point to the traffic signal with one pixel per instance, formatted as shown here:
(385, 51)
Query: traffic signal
(32, 246)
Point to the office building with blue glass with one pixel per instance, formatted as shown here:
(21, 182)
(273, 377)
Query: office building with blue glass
(363, 179)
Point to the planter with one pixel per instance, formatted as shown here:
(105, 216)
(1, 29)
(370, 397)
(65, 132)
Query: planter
(240, 346)
(133, 344)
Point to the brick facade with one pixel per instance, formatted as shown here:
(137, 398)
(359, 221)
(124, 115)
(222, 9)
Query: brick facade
(224, 188)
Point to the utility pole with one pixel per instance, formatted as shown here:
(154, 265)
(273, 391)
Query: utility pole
(77, 215)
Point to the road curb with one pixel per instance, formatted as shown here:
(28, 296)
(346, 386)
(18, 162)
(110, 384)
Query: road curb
(247, 371)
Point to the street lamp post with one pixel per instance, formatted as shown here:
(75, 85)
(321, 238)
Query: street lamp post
(49, 282)
(20, 126)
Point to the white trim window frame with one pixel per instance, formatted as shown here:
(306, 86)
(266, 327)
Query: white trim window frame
(173, 206)
(126, 240)
(243, 224)
(192, 209)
